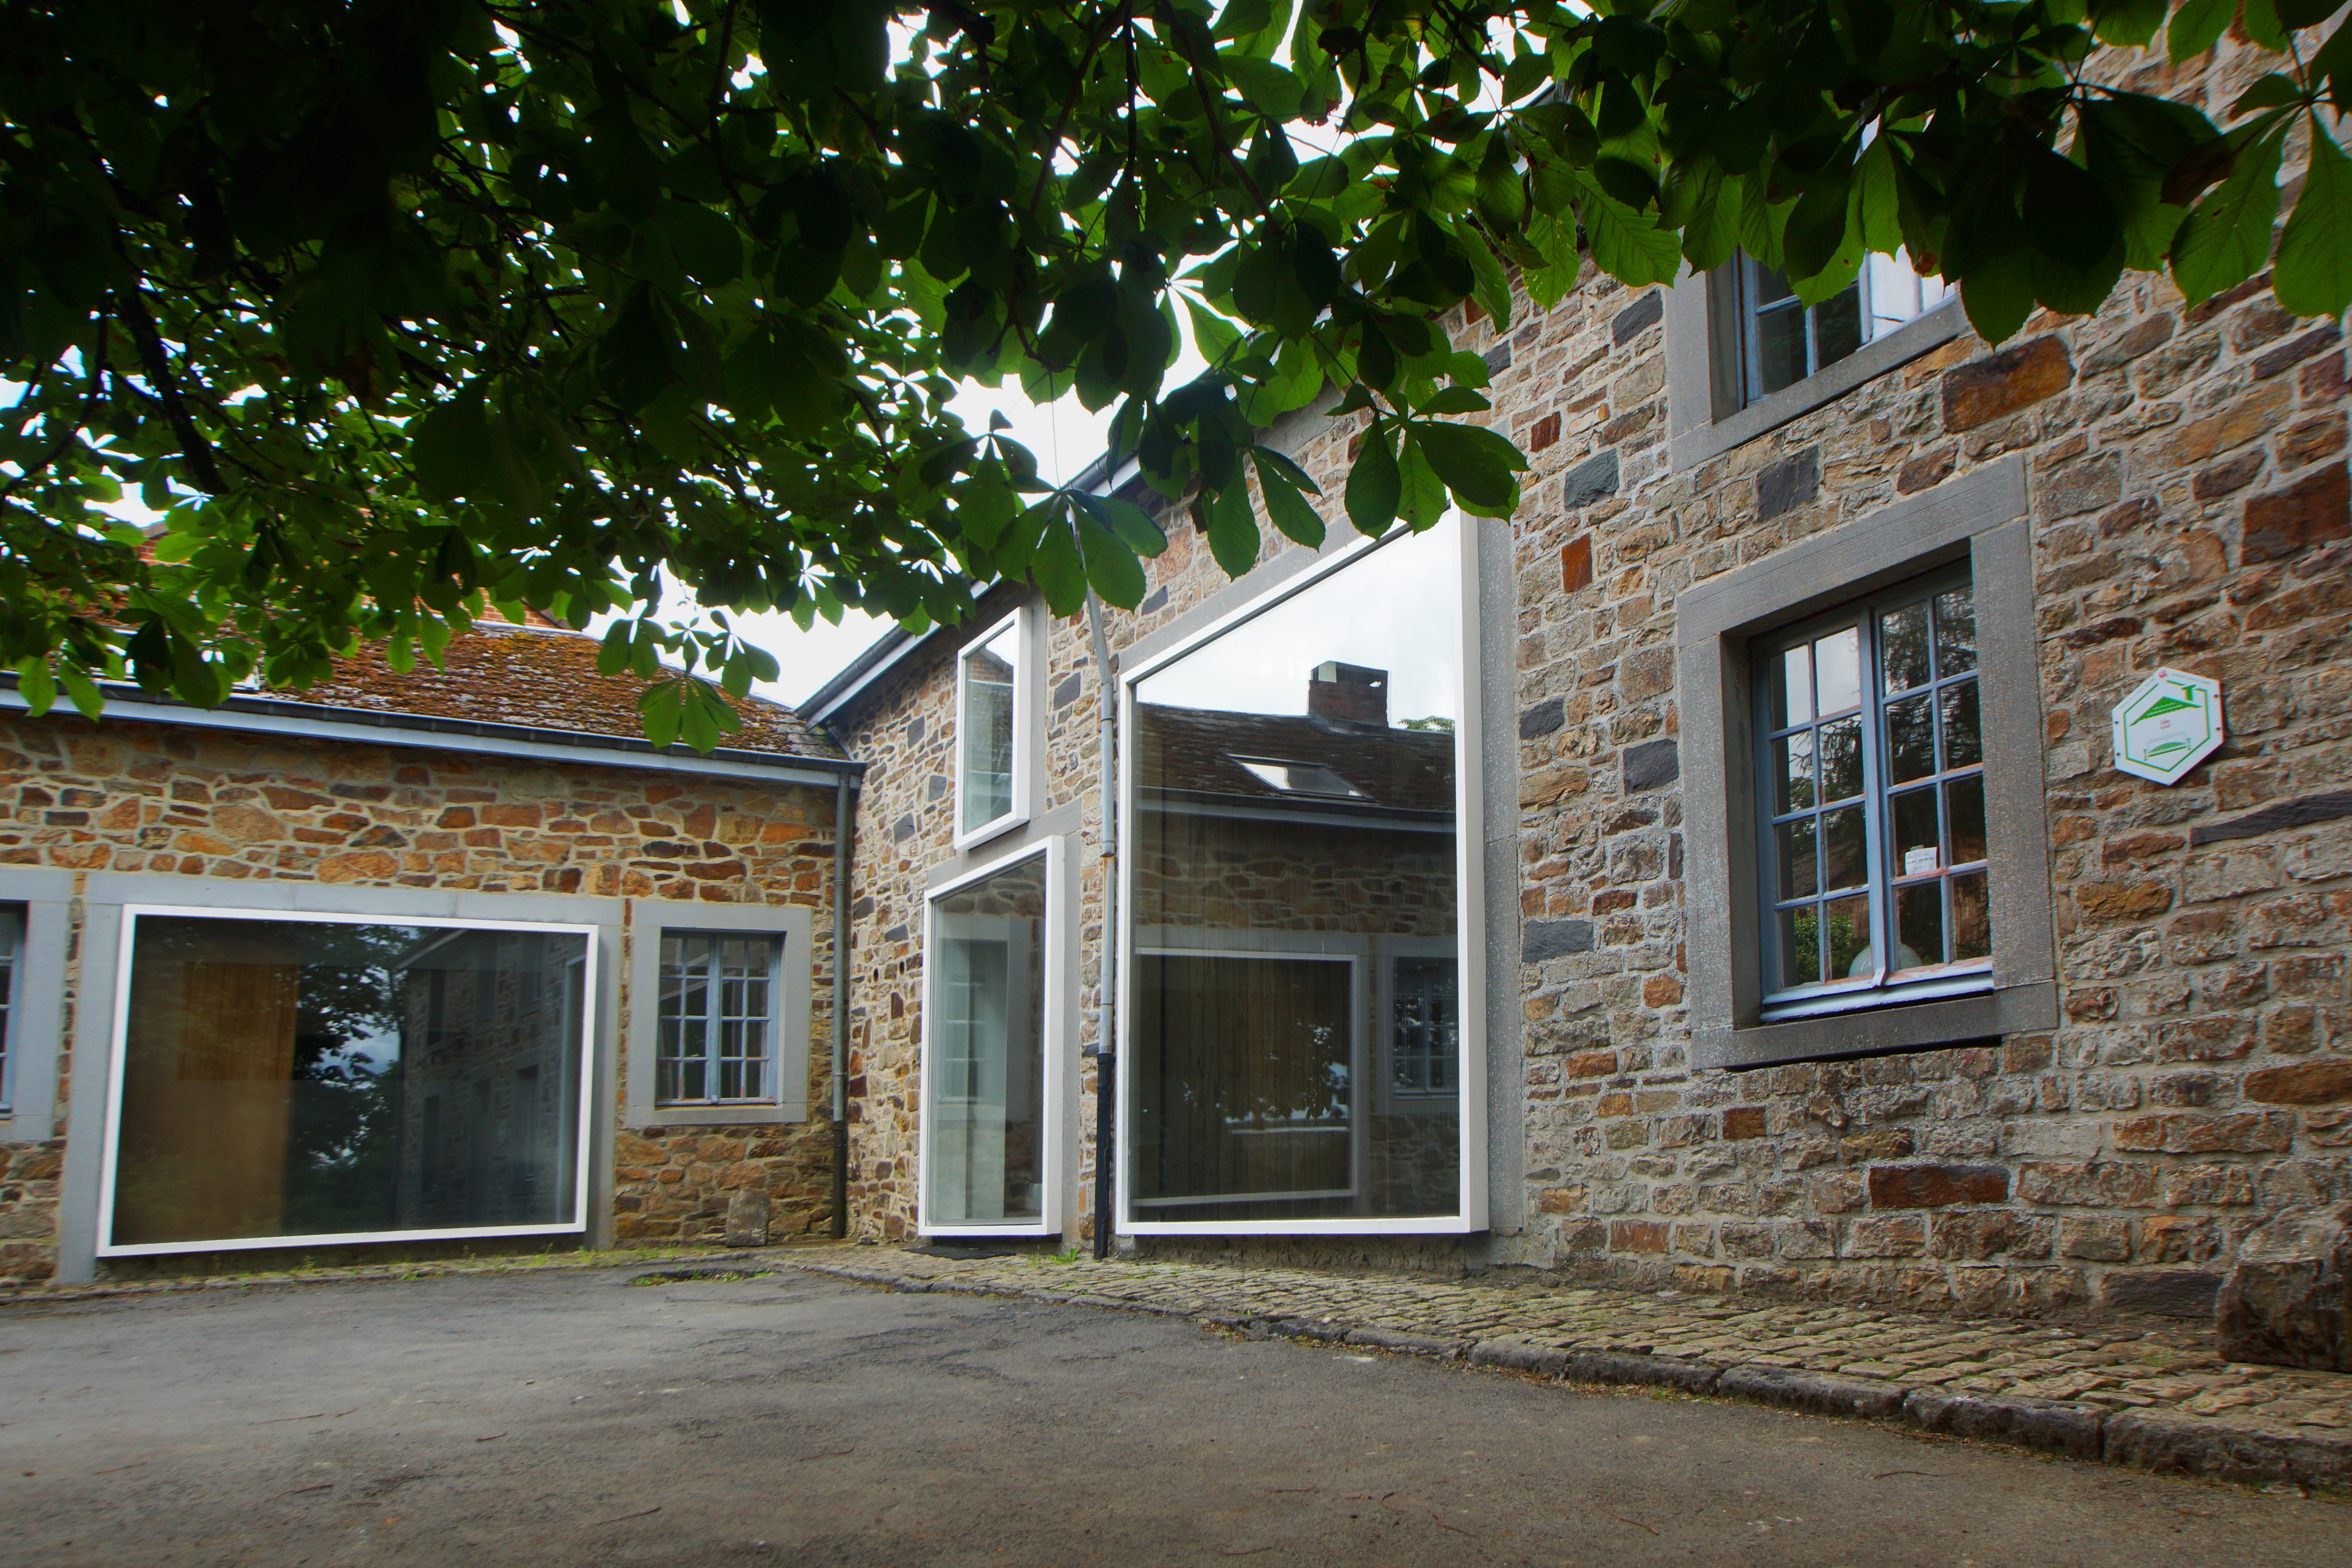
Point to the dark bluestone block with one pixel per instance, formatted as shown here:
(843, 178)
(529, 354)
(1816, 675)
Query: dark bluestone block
(1651, 763)
(1555, 938)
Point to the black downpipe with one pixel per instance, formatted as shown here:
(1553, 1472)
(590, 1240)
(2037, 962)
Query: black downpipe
(843, 815)
(1106, 1011)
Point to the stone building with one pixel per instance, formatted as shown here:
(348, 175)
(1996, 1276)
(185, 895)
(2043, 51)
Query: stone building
(436, 959)
(1785, 923)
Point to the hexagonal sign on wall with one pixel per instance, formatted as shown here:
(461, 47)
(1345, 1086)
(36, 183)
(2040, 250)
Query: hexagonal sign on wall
(2171, 722)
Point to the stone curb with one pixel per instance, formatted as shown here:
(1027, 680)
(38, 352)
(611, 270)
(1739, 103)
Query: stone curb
(2159, 1443)
(366, 1274)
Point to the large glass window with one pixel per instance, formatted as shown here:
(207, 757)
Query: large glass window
(990, 711)
(718, 1025)
(986, 1151)
(1296, 1052)
(1874, 793)
(284, 1079)
(1781, 341)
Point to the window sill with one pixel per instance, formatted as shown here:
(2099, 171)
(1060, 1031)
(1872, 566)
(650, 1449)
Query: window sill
(1873, 360)
(989, 832)
(1987, 1015)
(715, 1116)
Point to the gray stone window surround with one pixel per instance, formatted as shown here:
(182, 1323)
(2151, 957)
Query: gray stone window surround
(649, 919)
(1978, 518)
(98, 968)
(28, 1078)
(1694, 431)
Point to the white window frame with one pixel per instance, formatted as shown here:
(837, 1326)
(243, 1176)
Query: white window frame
(1025, 718)
(1470, 905)
(1054, 1015)
(796, 924)
(581, 1157)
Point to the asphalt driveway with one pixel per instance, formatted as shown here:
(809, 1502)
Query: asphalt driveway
(578, 1419)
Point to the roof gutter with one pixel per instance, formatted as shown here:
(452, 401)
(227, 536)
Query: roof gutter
(311, 720)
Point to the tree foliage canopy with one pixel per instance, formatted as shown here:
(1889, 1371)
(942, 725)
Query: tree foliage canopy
(399, 308)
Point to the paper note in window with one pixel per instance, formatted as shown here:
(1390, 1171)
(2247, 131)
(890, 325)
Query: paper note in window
(1919, 860)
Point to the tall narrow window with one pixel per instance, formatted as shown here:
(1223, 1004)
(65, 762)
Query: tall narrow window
(12, 944)
(1874, 793)
(1780, 340)
(991, 710)
(716, 1029)
(986, 1151)
(1295, 1056)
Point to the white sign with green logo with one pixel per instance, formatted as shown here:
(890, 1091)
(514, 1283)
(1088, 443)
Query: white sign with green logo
(2171, 722)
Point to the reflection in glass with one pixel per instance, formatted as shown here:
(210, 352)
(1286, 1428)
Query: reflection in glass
(1964, 808)
(986, 733)
(1918, 848)
(1837, 667)
(1296, 1025)
(1971, 919)
(1800, 876)
(1918, 925)
(1910, 740)
(1792, 773)
(1955, 631)
(1902, 647)
(288, 1079)
(1801, 945)
(1843, 848)
(1846, 923)
(1791, 685)
(1837, 327)
(1963, 741)
(984, 1089)
(1841, 745)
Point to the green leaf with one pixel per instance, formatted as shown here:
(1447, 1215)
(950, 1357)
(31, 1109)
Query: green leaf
(2195, 27)
(1212, 335)
(1111, 567)
(1128, 522)
(2227, 238)
(1628, 247)
(1453, 400)
(1232, 528)
(1056, 566)
(1270, 89)
(1420, 494)
(452, 455)
(1374, 485)
(2126, 21)
(1287, 510)
(661, 706)
(2261, 20)
(2313, 276)
(1713, 232)
(1494, 284)
(1476, 465)
(1998, 295)
(2068, 216)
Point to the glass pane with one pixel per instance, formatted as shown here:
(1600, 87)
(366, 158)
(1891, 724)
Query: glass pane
(1779, 347)
(1955, 631)
(1971, 919)
(1792, 775)
(1918, 925)
(1837, 327)
(1837, 665)
(1842, 847)
(1910, 739)
(1847, 929)
(1963, 746)
(1266, 925)
(1788, 685)
(1964, 809)
(1840, 743)
(1798, 858)
(1917, 842)
(291, 1079)
(987, 729)
(1800, 946)
(1902, 647)
(984, 1084)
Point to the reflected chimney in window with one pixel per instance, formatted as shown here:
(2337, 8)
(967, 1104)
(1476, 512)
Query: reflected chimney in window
(1349, 694)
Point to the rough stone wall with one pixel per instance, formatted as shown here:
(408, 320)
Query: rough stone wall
(166, 800)
(2188, 492)
(2189, 506)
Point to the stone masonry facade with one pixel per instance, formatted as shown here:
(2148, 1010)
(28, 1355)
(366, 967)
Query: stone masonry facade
(161, 799)
(2187, 484)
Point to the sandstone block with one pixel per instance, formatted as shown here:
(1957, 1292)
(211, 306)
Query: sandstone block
(2002, 383)
(2288, 1301)
(2313, 510)
(1935, 1186)
(2304, 1083)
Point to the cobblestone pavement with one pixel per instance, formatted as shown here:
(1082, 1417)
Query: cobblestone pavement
(2151, 1397)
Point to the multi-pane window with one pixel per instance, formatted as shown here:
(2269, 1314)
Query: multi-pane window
(1426, 1013)
(1873, 792)
(989, 712)
(717, 1018)
(1781, 341)
(986, 1148)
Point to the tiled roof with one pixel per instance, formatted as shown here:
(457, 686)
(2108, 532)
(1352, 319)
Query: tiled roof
(541, 677)
(1193, 749)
